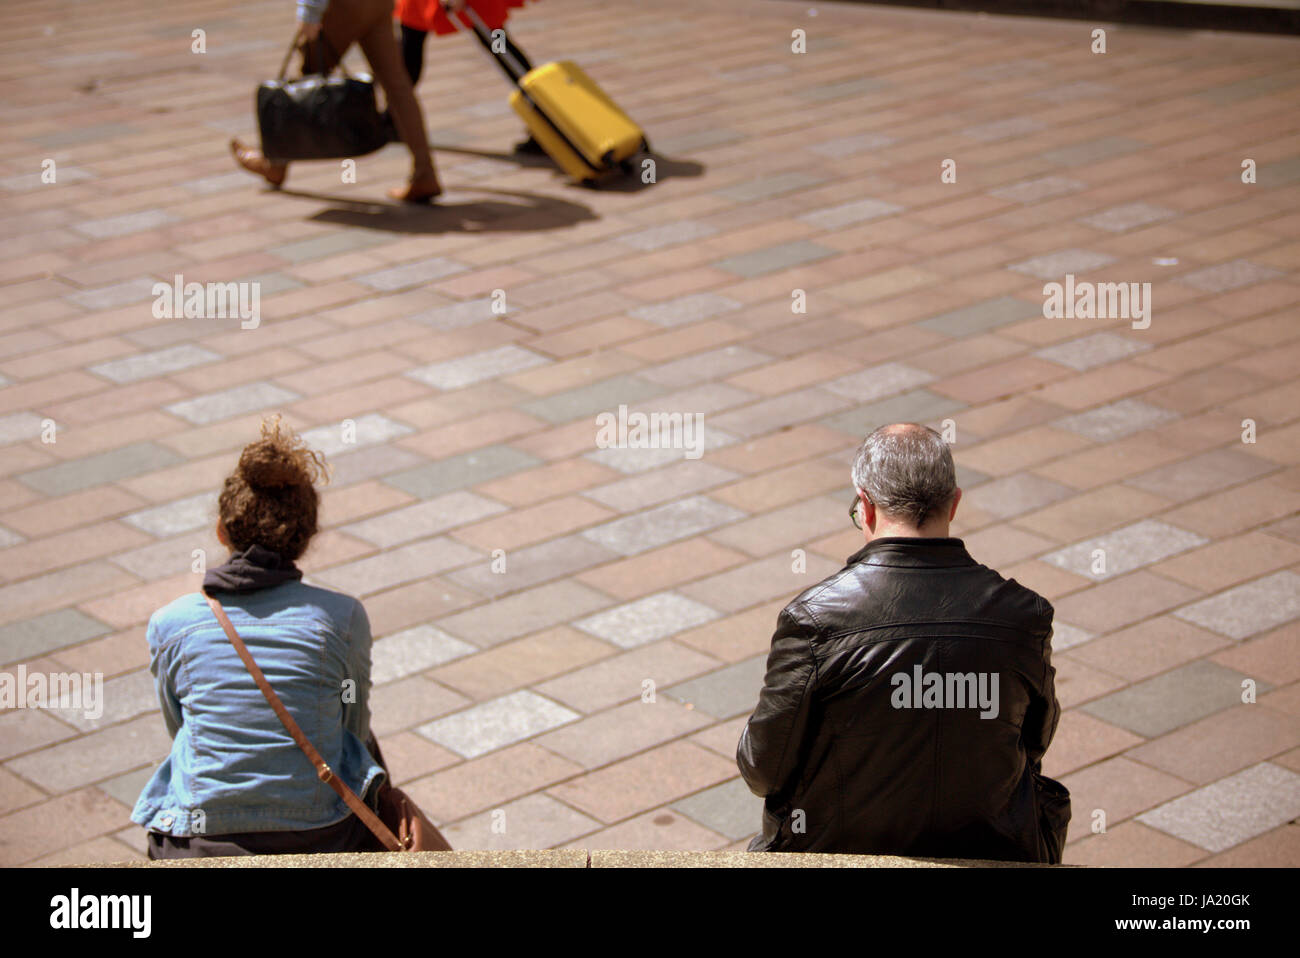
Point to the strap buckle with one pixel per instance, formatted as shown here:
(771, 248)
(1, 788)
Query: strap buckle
(324, 773)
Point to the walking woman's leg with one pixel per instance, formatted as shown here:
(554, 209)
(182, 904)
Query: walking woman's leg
(380, 48)
(413, 52)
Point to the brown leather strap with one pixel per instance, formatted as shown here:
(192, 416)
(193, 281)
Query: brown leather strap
(323, 771)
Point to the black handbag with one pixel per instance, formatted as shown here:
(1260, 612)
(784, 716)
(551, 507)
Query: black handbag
(319, 117)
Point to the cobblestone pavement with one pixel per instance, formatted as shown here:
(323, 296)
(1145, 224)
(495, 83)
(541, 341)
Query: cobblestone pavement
(1166, 438)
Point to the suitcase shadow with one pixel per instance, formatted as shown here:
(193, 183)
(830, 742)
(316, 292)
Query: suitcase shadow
(665, 167)
(518, 212)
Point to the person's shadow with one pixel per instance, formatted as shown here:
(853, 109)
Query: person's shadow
(520, 212)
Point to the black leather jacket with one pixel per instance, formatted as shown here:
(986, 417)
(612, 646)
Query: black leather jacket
(849, 745)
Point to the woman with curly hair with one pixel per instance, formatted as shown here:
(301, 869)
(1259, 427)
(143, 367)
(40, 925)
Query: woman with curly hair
(235, 782)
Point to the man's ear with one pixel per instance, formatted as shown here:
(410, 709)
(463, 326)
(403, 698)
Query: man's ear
(955, 499)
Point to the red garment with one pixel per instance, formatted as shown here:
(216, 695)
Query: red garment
(428, 15)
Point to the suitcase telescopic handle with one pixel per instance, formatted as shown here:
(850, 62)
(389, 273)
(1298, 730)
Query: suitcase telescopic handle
(512, 67)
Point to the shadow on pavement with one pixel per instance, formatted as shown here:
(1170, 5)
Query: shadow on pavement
(665, 167)
(531, 212)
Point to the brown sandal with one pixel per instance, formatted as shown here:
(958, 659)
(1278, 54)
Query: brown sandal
(253, 161)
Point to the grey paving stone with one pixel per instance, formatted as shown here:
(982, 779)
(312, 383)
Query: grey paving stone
(64, 173)
(122, 463)
(114, 295)
(772, 258)
(1126, 549)
(173, 556)
(413, 650)
(497, 723)
(102, 754)
(643, 531)
(878, 381)
(633, 459)
(1282, 173)
(1201, 474)
(846, 214)
(1232, 810)
(361, 464)
(835, 91)
(219, 183)
(397, 566)
(685, 309)
(131, 369)
(1073, 92)
(1017, 494)
(534, 821)
(1004, 129)
(917, 405)
(653, 617)
(127, 788)
(236, 401)
(727, 692)
(1226, 276)
(651, 488)
(1129, 216)
(533, 565)
(968, 478)
(4, 380)
(1066, 636)
(422, 519)
(75, 135)
(125, 224)
(843, 146)
(19, 427)
(1248, 609)
(709, 365)
(982, 317)
(729, 809)
(588, 400)
(23, 730)
(477, 367)
(466, 469)
(1056, 265)
(766, 187)
(1171, 700)
(1093, 151)
(409, 275)
(115, 700)
(703, 399)
(1247, 89)
(1089, 352)
(1038, 188)
(34, 637)
(369, 430)
(698, 140)
(523, 613)
(1115, 420)
(667, 234)
(173, 518)
(771, 415)
(331, 244)
(460, 315)
(785, 527)
(9, 538)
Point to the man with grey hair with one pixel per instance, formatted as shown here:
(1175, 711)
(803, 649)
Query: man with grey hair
(909, 698)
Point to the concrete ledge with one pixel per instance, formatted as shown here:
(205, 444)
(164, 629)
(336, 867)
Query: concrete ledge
(571, 858)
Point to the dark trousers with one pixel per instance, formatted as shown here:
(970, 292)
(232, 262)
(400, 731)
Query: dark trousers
(349, 835)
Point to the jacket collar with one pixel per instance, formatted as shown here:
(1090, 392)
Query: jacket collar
(913, 551)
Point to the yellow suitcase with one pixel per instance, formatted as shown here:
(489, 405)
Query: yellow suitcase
(567, 113)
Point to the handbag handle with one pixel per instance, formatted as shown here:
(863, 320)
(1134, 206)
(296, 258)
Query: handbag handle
(323, 44)
(323, 771)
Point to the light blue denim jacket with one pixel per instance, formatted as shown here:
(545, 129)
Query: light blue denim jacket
(231, 758)
(310, 11)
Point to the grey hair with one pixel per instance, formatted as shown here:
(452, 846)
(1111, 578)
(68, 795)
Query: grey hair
(907, 472)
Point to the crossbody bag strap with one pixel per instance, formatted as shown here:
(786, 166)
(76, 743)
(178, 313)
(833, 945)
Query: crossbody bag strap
(323, 771)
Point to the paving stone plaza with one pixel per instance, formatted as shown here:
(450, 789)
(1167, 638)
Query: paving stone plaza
(854, 234)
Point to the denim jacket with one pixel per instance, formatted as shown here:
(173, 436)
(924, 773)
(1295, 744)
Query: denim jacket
(231, 760)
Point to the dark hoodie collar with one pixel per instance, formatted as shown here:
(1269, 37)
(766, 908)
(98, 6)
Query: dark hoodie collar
(254, 568)
(913, 550)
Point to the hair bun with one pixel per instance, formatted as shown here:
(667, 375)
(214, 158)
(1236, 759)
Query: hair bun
(267, 465)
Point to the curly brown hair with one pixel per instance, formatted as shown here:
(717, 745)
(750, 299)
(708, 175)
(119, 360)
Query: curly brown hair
(270, 500)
